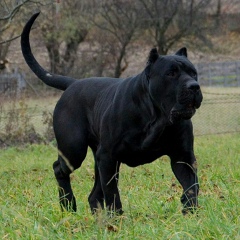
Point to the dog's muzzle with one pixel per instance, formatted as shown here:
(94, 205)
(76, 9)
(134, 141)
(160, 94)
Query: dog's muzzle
(189, 98)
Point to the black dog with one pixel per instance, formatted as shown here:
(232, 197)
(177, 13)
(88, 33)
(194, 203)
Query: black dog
(133, 121)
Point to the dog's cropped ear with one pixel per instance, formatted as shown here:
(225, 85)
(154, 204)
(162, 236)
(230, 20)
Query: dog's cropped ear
(153, 56)
(182, 52)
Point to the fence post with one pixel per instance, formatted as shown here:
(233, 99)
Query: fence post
(209, 76)
(237, 64)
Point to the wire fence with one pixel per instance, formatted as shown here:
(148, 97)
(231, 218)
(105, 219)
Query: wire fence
(220, 74)
(30, 120)
(220, 111)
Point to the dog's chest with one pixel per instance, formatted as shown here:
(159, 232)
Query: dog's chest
(132, 152)
(139, 157)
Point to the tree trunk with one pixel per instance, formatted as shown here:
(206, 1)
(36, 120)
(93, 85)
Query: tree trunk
(118, 68)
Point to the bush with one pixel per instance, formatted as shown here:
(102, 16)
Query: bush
(17, 127)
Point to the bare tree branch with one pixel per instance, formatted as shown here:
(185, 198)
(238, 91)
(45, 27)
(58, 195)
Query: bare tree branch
(13, 12)
(120, 19)
(13, 38)
(10, 40)
(169, 21)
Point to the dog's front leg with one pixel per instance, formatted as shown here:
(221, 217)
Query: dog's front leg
(185, 170)
(96, 198)
(109, 174)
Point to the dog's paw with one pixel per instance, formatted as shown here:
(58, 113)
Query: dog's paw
(191, 210)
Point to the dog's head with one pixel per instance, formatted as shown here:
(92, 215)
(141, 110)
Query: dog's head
(173, 85)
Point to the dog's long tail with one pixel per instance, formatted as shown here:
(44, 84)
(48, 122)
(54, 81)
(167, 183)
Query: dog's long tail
(53, 80)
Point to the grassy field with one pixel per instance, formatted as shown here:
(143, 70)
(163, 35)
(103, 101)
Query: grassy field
(150, 195)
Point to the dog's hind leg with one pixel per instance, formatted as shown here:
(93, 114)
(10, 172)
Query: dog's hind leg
(62, 173)
(71, 132)
(96, 198)
(63, 167)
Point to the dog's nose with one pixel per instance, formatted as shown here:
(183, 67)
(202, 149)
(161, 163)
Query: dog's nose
(193, 85)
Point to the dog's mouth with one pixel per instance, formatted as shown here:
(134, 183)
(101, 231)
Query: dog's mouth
(182, 113)
(187, 103)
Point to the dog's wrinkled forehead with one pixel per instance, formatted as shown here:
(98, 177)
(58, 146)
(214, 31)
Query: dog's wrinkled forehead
(172, 61)
(162, 65)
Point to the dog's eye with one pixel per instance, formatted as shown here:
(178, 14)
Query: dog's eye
(172, 73)
(193, 74)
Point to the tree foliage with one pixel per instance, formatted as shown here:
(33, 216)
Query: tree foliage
(107, 30)
(63, 31)
(121, 20)
(12, 17)
(8, 10)
(169, 21)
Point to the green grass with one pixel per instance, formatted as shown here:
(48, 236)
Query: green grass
(150, 195)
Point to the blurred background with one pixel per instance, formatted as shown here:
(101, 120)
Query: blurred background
(83, 38)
